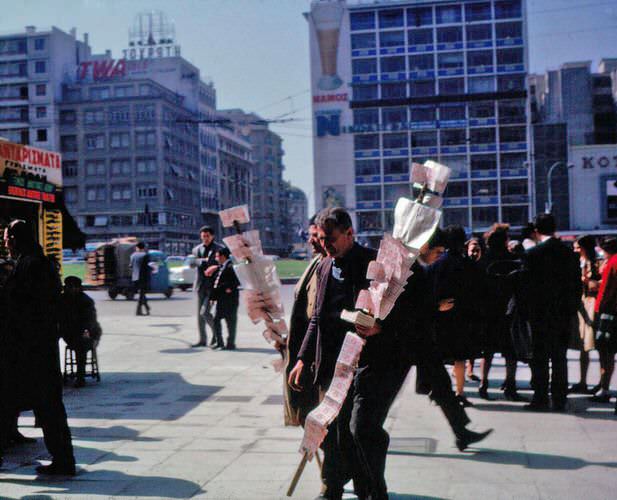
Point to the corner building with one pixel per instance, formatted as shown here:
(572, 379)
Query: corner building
(396, 82)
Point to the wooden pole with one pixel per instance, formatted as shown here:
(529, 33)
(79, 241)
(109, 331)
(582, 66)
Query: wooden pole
(318, 462)
(296, 478)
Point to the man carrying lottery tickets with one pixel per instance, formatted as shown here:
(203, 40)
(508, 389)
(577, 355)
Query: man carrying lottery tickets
(356, 444)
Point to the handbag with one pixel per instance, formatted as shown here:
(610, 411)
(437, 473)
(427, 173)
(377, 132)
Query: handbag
(606, 333)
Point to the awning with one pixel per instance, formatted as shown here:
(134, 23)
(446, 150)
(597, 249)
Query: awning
(72, 237)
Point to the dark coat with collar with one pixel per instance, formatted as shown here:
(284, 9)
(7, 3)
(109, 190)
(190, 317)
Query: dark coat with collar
(205, 258)
(226, 301)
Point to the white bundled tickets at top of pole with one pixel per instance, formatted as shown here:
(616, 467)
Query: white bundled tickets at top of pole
(261, 286)
(414, 224)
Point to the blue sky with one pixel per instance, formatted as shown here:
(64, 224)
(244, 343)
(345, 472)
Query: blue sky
(256, 51)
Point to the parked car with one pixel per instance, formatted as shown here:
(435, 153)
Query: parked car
(183, 276)
(299, 255)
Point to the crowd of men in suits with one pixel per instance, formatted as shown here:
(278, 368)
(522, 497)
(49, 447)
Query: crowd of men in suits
(434, 322)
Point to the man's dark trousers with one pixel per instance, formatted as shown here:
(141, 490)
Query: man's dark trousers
(229, 313)
(142, 301)
(203, 313)
(550, 343)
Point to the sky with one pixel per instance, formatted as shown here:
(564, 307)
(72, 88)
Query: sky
(256, 51)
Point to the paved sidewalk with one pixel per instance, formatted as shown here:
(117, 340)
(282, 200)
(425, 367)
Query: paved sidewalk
(168, 421)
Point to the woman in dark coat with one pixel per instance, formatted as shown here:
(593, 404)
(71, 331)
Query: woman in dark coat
(456, 286)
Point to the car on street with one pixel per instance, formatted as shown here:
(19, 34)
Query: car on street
(183, 276)
(299, 255)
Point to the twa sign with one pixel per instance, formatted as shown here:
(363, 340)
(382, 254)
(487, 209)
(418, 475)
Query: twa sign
(104, 69)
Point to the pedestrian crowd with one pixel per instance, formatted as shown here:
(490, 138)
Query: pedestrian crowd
(467, 299)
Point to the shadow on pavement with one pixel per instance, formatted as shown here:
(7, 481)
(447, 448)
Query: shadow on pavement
(405, 496)
(539, 461)
(257, 350)
(108, 434)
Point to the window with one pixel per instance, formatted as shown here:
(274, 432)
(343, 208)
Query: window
(455, 216)
(95, 168)
(13, 46)
(121, 167)
(449, 112)
(391, 38)
(395, 141)
(145, 139)
(121, 192)
(452, 86)
(41, 89)
(367, 167)
(147, 191)
(452, 137)
(69, 169)
(479, 32)
(483, 216)
(421, 37)
(450, 35)
(95, 141)
(119, 114)
(41, 135)
(362, 20)
(40, 66)
(39, 44)
(364, 66)
(484, 188)
(119, 140)
(369, 221)
(41, 112)
(458, 165)
(123, 91)
(70, 194)
(512, 161)
(72, 95)
(393, 192)
(145, 89)
(456, 190)
(516, 215)
(481, 84)
(99, 93)
(483, 162)
(480, 58)
(145, 112)
(393, 90)
(365, 116)
(450, 60)
(96, 193)
(510, 56)
(448, 14)
(508, 83)
(512, 111)
(94, 116)
(146, 165)
(515, 187)
(421, 16)
(68, 143)
(422, 88)
(421, 62)
(423, 113)
(478, 11)
(396, 166)
(394, 115)
(482, 135)
(368, 193)
(506, 31)
(480, 109)
(364, 92)
(513, 134)
(508, 9)
(392, 64)
(391, 18)
(363, 41)
(366, 141)
(424, 139)
(68, 116)
(13, 68)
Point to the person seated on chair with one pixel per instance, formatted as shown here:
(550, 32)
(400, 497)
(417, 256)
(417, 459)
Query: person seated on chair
(78, 325)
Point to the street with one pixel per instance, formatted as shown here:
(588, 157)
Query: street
(169, 421)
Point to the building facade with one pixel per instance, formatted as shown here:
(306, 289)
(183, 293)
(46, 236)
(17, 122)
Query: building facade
(396, 82)
(33, 64)
(298, 216)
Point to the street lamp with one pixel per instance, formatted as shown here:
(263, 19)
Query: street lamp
(548, 206)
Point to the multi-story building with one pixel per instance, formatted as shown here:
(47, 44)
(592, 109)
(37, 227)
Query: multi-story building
(396, 82)
(139, 147)
(267, 188)
(33, 64)
(297, 214)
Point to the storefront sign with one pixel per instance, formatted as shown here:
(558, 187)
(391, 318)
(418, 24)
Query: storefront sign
(588, 162)
(152, 52)
(17, 160)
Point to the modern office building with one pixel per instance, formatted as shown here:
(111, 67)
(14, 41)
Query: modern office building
(33, 64)
(267, 187)
(297, 214)
(138, 144)
(395, 82)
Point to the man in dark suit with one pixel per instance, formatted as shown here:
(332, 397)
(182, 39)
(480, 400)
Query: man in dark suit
(554, 290)
(356, 444)
(206, 265)
(225, 293)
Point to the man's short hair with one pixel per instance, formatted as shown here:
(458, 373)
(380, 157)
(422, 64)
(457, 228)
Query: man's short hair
(334, 218)
(609, 244)
(545, 224)
(313, 219)
(224, 251)
(72, 281)
(455, 237)
(438, 239)
(206, 229)
(19, 230)
(141, 245)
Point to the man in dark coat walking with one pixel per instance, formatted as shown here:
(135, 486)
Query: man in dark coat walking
(554, 290)
(31, 363)
(206, 265)
(225, 293)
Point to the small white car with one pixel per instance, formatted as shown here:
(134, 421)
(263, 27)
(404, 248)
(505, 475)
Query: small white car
(183, 276)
